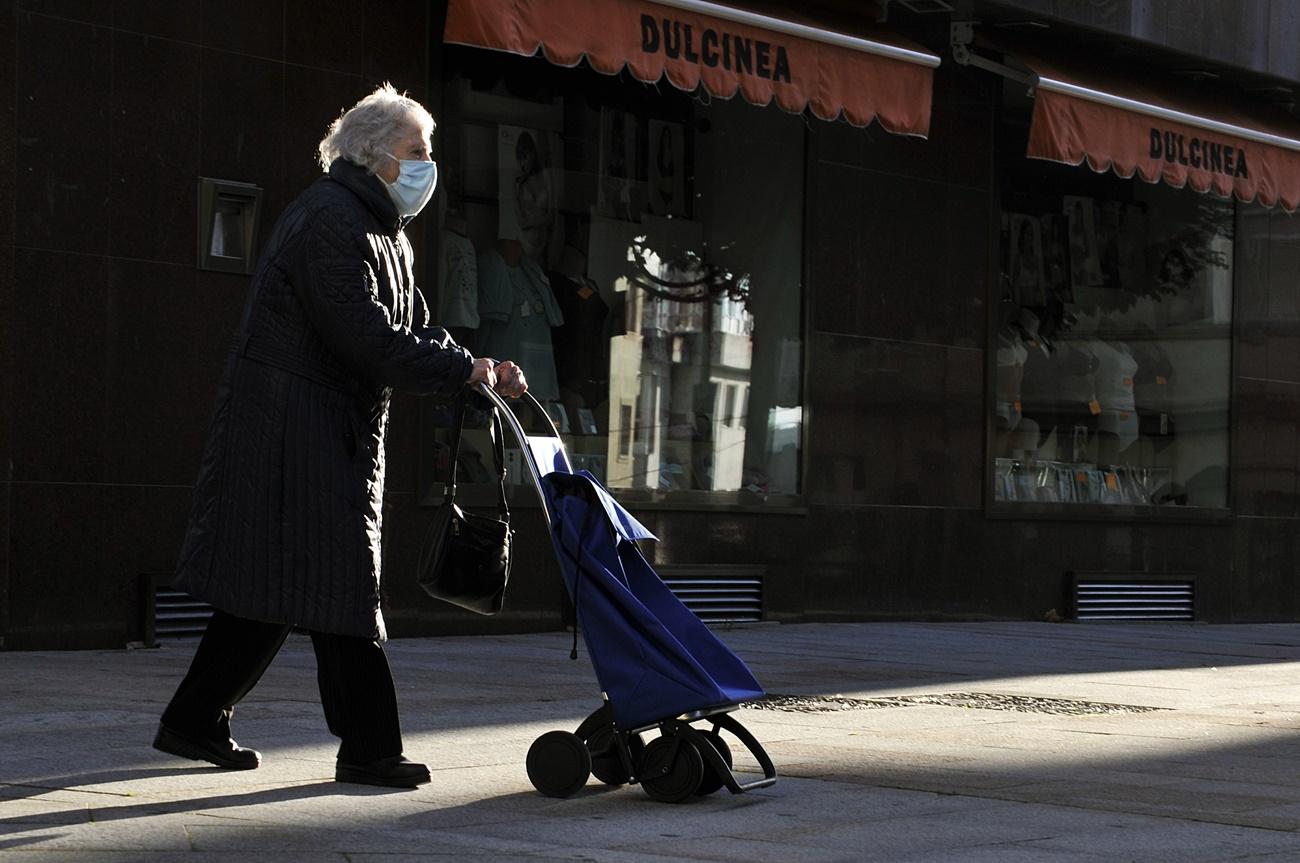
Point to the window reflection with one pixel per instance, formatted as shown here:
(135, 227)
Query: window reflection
(639, 253)
(685, 353)
(1113, 351)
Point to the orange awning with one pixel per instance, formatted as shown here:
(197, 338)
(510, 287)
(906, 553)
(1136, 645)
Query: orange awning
(1170, 131)
(725, 49)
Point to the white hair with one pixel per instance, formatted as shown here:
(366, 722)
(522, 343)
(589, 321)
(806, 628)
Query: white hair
(367, 132)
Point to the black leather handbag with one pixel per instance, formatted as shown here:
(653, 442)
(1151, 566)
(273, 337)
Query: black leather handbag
(465, 559)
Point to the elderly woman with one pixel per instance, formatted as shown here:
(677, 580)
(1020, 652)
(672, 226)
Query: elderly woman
(285, 526)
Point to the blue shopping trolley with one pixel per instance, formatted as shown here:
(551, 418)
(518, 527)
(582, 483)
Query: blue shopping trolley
(659, 667)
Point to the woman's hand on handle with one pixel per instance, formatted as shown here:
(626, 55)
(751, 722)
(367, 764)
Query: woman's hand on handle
(510, 380)
(484, 372)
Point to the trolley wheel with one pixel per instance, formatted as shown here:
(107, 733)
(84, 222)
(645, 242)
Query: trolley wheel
(713, 780)
(672, 769)
(606, 765)
(558, 763)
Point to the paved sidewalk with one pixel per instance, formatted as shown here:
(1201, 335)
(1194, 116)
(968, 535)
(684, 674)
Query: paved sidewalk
(946, 742)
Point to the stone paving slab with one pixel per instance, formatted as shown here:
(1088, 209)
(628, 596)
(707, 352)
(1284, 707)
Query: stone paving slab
(1210, 776)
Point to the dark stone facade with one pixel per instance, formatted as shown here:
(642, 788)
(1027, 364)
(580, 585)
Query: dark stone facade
(111, 340)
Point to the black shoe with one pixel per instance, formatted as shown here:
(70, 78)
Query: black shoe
(223, 753)
(393, 772)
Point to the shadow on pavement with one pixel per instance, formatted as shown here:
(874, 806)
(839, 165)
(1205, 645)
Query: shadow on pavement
(201, 803)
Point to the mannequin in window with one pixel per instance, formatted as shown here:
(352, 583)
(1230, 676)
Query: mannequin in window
(1117, 421)
(1009, 424)
(582, 352)
(457, 276)
(516, 311)
(1058, 393)
(534, 207)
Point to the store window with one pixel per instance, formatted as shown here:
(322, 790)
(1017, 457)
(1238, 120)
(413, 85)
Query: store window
(638, 251)
(1112, 342)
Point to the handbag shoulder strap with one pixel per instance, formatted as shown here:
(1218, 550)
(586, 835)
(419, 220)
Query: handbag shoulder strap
(497, 431)
(457, 429)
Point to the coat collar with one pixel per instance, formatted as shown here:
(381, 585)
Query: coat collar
(370, 189)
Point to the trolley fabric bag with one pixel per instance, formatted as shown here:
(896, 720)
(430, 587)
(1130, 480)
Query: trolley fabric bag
(652, 656)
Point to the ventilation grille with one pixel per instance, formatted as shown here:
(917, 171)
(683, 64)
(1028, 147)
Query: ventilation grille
(718, 593)
(178, 615)
(1125, 599)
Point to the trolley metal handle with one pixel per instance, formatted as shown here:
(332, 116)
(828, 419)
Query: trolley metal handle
(508, 416)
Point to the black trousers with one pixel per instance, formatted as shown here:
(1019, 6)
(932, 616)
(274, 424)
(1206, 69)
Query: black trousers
(356, 685)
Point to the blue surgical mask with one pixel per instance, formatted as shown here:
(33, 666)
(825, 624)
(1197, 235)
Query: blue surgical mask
(414, 185)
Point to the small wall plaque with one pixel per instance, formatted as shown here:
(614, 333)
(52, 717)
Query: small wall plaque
(228, 214)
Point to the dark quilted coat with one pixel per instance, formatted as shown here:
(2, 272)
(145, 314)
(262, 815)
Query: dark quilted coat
(285, 525)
